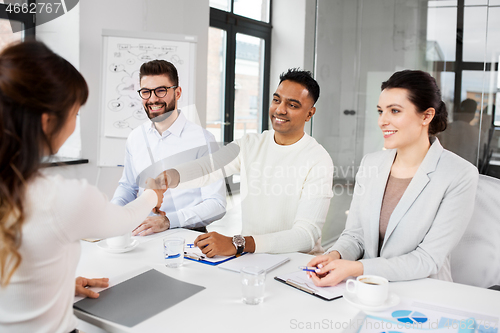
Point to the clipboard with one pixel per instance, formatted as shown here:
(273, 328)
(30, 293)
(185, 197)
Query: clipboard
(299, 280)
(195, 254)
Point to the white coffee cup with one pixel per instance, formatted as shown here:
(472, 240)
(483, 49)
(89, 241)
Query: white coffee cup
(371, 290)
(119, 242)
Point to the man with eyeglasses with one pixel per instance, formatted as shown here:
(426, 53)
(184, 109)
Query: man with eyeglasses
(168, 138)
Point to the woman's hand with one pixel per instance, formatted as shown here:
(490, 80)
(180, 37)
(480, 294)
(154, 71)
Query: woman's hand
(160, 189)
(324, 259)
(335, 271)
(169, 178)
(81, 283)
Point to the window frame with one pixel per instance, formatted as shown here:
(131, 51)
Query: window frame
(233, 24)
(459, 65)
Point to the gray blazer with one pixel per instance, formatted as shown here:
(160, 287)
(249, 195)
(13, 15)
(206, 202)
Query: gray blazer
(424, 227)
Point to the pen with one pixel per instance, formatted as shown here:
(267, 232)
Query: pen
(193, 256)
(192, 245)
(308, 269)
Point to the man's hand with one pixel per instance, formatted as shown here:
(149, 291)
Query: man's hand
(151, 225)
(82, 282)
(169, 178)
(213, 244)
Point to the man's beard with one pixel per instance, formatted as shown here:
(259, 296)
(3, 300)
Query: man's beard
(164, 115)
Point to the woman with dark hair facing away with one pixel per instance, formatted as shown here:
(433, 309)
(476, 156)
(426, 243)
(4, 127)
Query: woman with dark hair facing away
(42, 218)
(412, 202)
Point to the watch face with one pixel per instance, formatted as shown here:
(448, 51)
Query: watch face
(238, 240)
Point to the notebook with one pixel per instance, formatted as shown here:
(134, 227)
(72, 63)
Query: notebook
(265, 261)
(139, 298)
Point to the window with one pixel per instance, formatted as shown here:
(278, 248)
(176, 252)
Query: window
(474, 64)
(239, 59)
(238, 68)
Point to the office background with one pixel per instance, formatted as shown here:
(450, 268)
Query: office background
(350, 45)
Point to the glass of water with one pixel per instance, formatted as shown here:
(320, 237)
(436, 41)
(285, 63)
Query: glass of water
(253, 280)
(173, 251)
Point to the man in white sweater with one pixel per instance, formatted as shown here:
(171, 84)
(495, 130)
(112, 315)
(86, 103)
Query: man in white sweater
(286, 177)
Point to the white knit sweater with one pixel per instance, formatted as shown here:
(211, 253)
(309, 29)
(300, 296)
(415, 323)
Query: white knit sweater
(286, 190)
(59, 213)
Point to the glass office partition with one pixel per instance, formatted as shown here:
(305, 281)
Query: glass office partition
(361, 43)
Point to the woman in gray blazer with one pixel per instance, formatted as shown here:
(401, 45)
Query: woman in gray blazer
(412, 201)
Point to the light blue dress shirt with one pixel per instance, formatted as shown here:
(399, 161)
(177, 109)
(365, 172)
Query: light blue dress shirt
(182, 142)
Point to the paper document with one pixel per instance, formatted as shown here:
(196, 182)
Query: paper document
(374, 324)
(195, 254)
(265, 261)
(300, 281)
(415, 316)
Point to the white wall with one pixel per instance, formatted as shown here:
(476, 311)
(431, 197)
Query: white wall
(61, 35)
(189, 17)
(288, 40)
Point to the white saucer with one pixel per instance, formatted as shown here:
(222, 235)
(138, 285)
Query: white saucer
(391, 301)
(104, 245)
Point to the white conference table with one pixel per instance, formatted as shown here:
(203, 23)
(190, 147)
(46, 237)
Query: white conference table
(219, 307)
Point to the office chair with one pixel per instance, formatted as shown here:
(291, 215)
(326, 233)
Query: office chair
(476, 259)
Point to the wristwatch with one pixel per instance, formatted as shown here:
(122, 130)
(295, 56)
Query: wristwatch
(239, 243)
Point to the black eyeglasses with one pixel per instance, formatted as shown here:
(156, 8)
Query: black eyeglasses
(160, 92)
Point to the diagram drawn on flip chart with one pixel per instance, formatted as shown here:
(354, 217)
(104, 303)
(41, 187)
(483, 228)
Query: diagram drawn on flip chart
(121, 106)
